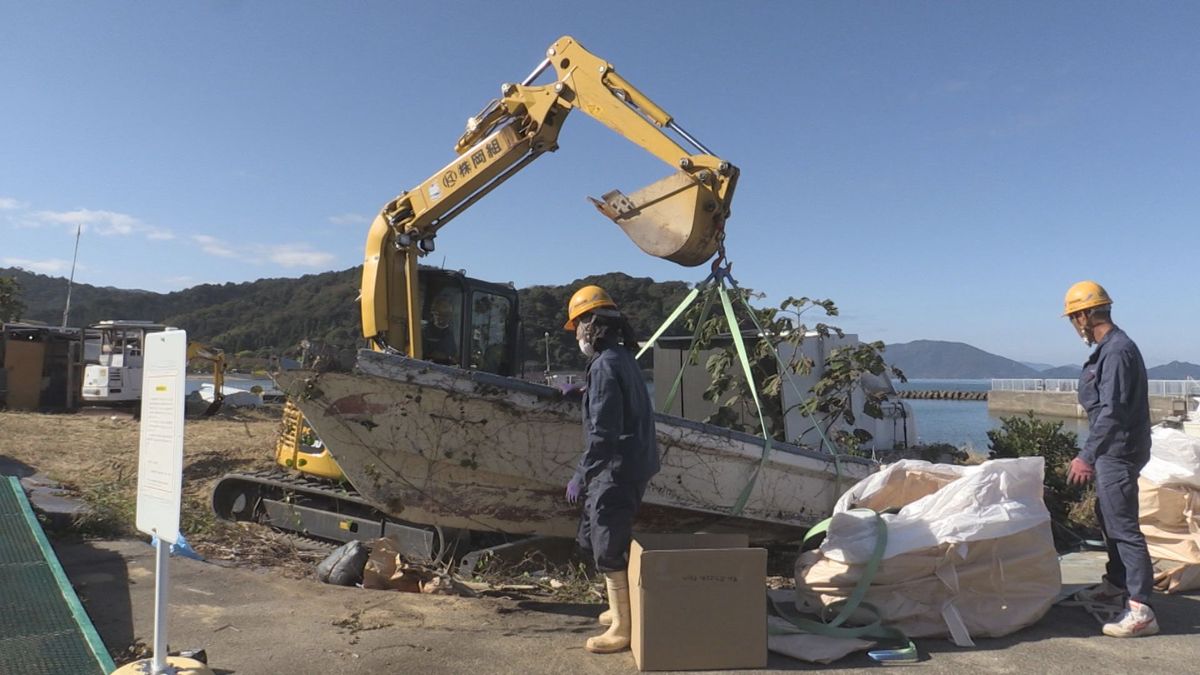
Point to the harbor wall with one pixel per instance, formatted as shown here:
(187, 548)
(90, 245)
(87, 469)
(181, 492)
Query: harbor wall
(1060, 404)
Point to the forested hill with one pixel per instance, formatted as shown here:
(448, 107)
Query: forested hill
(273, 315)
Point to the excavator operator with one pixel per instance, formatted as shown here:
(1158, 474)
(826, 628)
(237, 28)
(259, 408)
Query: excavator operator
(620, 452)
(438, 336)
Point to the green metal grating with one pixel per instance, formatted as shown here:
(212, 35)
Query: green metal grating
(43, 628)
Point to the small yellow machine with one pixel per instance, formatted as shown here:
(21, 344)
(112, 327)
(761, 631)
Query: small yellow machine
(201, 351)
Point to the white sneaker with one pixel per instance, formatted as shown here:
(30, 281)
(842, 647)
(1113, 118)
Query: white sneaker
(1137, 620)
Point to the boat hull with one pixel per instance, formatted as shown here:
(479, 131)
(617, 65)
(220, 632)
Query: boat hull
(441, 446)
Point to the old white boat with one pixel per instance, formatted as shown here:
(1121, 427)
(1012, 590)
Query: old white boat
(439, 446)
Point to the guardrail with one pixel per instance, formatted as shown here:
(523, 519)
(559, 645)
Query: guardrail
(1156, 387)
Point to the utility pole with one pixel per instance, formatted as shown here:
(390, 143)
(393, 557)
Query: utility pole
(71, 281)
(547, 336)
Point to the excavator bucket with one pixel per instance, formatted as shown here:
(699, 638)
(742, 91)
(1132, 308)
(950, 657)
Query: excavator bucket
(676, 218)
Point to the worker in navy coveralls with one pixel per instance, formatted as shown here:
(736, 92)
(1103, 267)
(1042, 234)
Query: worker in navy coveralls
(1114, 392)
(620, 452)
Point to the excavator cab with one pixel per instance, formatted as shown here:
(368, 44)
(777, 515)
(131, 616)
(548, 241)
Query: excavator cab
(465, 323)
(468, 323)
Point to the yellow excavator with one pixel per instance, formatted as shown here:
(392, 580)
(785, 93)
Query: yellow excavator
(201, 351)
(680, 218)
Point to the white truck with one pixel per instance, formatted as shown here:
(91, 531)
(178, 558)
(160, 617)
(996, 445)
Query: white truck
(113, 373)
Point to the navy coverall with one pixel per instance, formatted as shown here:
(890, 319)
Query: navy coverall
(620, 455)
(1113, 391)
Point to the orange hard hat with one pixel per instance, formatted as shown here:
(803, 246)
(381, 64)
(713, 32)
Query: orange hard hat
(585, 300)
(1085, 295)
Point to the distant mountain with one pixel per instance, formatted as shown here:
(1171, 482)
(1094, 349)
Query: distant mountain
(1175, 370)
(952, 360)
(273, 315)
(1062, 373)
(1037, 366)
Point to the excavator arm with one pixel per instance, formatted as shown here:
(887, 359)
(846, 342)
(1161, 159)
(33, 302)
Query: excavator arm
(198, 350)
(680, 218)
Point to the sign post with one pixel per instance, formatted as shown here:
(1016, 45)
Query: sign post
(160, 479)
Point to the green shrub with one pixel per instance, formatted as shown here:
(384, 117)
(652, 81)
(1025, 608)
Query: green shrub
(1028, 436)
(942, 453)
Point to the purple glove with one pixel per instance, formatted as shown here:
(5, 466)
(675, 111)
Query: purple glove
(573, 490)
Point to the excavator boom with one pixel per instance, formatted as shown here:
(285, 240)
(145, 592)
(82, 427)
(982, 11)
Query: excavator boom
(679, 218)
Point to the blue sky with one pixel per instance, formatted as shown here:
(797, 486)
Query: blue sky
(940, 170)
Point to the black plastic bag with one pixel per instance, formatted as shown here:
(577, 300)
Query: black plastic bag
(344, 567)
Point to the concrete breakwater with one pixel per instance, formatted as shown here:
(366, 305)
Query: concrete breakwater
(944, 395)
(1062, 404)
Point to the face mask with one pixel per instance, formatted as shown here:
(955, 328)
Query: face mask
(586, 348)
(1084, 333)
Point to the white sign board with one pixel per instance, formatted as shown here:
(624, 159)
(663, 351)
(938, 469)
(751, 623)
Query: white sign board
(160, 447)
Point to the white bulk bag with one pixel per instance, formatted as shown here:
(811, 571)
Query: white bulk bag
(1169, 509)
(970, 551)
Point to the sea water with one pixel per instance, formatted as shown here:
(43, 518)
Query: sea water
(964, 424)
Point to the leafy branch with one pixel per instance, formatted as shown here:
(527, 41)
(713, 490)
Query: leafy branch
(830, 403)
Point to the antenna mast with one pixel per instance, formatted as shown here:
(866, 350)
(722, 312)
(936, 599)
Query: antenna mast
(71, 281)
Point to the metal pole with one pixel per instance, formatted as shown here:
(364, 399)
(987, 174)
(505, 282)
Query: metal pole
(161, 584)
(679, 130)
(536, 71)
(71, 281)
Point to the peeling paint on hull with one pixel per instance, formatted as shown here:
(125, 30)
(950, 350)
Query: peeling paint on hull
(436, 445)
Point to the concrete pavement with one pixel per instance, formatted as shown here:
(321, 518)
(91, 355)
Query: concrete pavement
(251, 623)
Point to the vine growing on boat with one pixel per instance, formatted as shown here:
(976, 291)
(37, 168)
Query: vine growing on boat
(829, 402)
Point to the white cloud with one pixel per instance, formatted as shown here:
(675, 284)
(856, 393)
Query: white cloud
(214, 246)
(285, 255)
(299, 256)
(101, 222)
(349, 219)
(50, 266)
(10, 204)
(105, 223)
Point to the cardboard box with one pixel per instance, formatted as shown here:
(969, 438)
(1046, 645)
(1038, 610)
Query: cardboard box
(698, 602)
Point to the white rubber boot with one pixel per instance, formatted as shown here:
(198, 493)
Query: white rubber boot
(606, 617)
(617, 637)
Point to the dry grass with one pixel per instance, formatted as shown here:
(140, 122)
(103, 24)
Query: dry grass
(95, 456)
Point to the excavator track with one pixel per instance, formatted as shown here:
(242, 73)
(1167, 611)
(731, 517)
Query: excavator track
(322, 511)
(319, 510)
